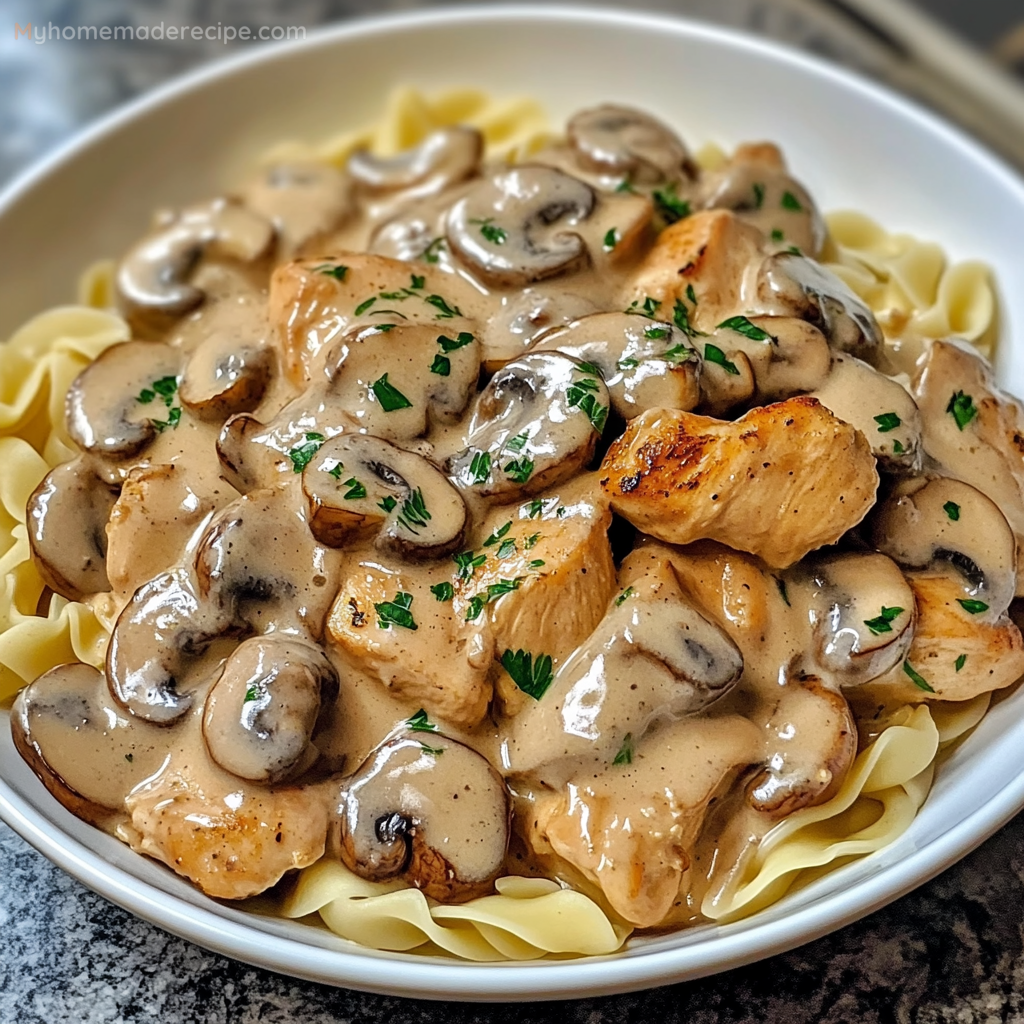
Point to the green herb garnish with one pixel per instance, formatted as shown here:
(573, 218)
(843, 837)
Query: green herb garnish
(252, 693)
(468, 563)
(691, 294)
(790, 202)
(681, 316)
(713, 354)
(390, 398)
(624, 596)
(532, 678)
(580, 395)
(960, 662)
(396, 612)
(364, 306)
(625, 754)
(335, 270)
(897, 447)
(432, 751)
(535, 508)
(531, 541)
(952, 509)
(671, 207)
(420, 722)
(441, 365)
(882, 623)
(430, 254)
(517, 443)
(758, 195)
(777, 235)
(647, 308)
(490, 230)
(302, 454)
(611, 239)
(414, 512)
(656, 333)
(443, 591)
(781, 584)
(498, 534)
(962, 408)
(916, 678)
(355, 489)
(452, 345)
(508, 547)
(887, 421)
(445, 312)
(741, 325)
(519, 470)
(480, 467)
(387, 503)
(970, 605)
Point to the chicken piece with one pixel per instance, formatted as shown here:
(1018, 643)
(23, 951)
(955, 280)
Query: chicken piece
(974, 430)
(781, 481)
(387, 623)
(158, 510)
(546, 581)
(632, 828)
(231, 850)
(715, 254)
(313, 301)
(954, 655)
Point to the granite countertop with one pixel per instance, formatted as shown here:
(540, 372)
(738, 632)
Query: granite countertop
(951, 951)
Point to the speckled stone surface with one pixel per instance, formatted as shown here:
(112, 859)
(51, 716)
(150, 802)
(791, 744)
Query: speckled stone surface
(951, 951)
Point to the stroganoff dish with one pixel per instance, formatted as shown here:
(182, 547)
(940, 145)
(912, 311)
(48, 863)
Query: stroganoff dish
(528, 548)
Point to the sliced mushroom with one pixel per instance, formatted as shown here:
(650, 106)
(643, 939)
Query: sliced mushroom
(357, 482)
(429, 810)
(82, 747)
(304, 201)
(811, 741)
(646, 364)
(781, 481)
(535, 424)
(949, 528)
(514, 227)
(223, 377)
(260, 714)
(446, 156)
(112, 407)
(861, 610)
(627, 143)
(67, 518)
(756, 184)
(973, 429)
(787, 356)
(164, 628)
(727, 381)
(153, 278)
(879, 407)
(794, 285)
(259, 565)
(652, 658)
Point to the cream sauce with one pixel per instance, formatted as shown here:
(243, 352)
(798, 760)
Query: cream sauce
(376, 647)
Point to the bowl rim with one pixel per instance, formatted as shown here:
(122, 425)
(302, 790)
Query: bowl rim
(437, 978)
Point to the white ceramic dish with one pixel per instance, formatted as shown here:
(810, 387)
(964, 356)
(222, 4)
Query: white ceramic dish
(853, 143)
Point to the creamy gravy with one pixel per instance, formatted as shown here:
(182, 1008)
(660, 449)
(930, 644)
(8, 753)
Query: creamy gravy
(343, 504)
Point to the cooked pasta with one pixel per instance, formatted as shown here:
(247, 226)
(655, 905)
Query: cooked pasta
(905, 282)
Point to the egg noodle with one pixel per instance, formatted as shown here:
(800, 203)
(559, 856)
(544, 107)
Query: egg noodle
(908, 284)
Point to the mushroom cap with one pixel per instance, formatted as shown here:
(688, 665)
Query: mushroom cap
(111, 406)
(357, 481)
(430, 810)
(535, 424)
(223, 377)
(645, 364)
(444, 157)
(67, 517)
(260, 714)
(810, 291)
(862, 615)
(628, 143)
(947, 527)
(163, 627)
(153, 277)
(513, 227)
(85, 751)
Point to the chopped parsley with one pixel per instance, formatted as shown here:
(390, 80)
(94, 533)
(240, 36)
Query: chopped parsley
(420, 722)
(173, 419)
(252, 693)
(431, 253)
(302, 453)
(883, 623)
(517, 443)
(777, 235)
(494, 591)
(628, 363)
(668, 203)
(396, 612)
(533, 678)
(445, 312)
(355, 489)
(713, 354)
(916, 678)
(480, 467)
(508, 548)
(535, 508)
(887, 421)
(960, 662)
(468, 562)
(758, 195)
(441, 365)
(443, 591)
(390, 398)
(790, 202)
(647, 308)
(531, 541)
(626, 186)
(475, 607)
(781, 584)
(414, 512)
(691, 294)
(655, 333)
(591, 368)
(490, 230)
(681, 316)
(519, 470)
(452, 345)
(611, 239)
(336, 471)
(962, 408)
(497, 535)
(364, 306)
(741, 325)
(537, 563)
(580, 395)
(625, 754)
(165, 388)
(335, 270)
(952, 509)
(624, 596)
(897, 447)
(432, 751)
(387, 503)
(970, 605)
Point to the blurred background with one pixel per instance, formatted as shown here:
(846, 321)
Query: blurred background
(962, 57)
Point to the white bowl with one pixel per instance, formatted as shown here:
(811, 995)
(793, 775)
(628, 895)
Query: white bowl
(851, 142)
